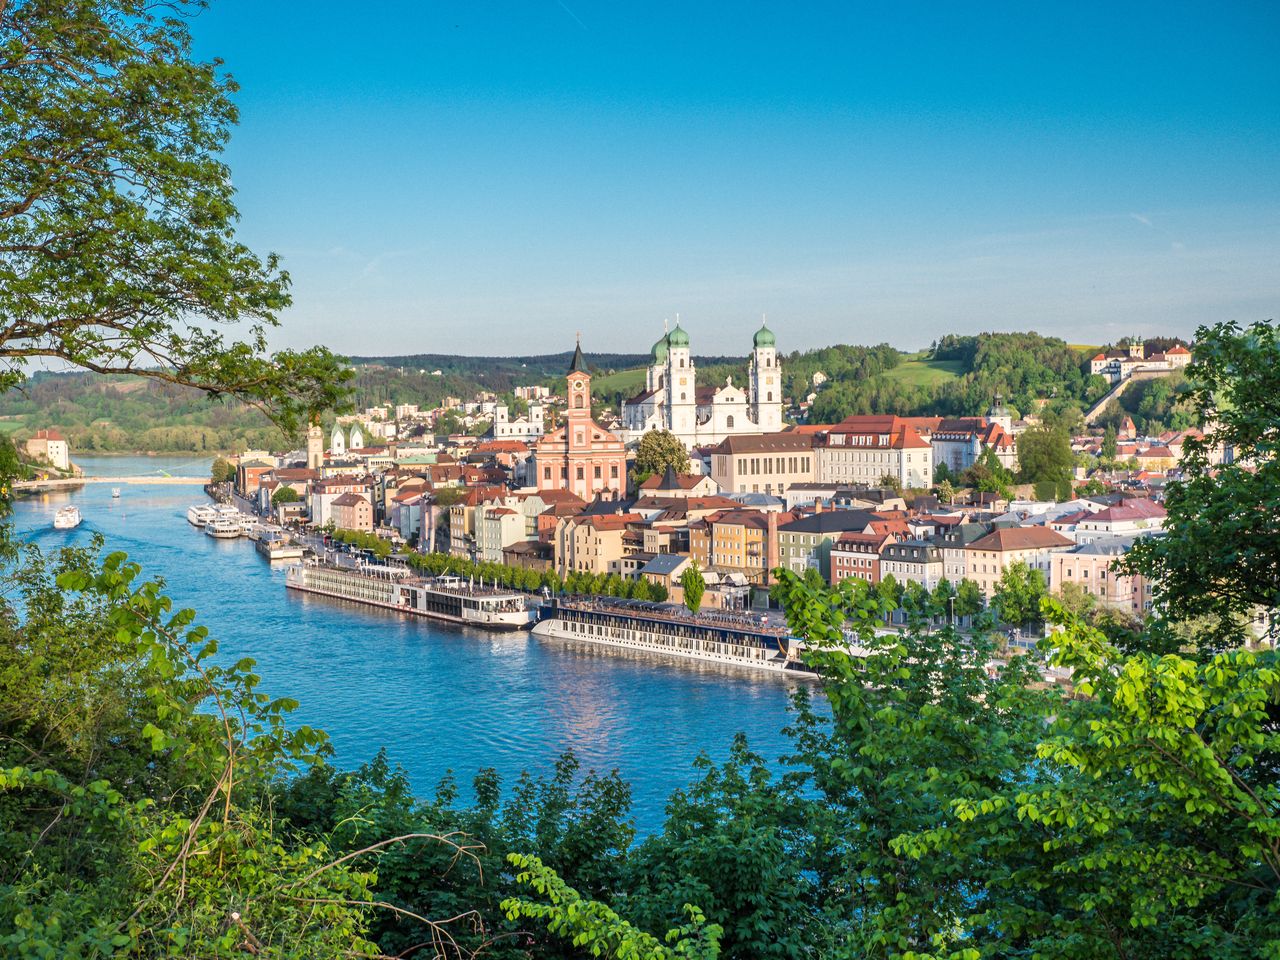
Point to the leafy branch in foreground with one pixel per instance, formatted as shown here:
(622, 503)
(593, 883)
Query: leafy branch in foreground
(117, 214)
(135, 805)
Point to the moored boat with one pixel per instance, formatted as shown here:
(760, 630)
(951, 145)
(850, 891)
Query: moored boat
(200, 514)
(717, 637)
(396, 587)
(67, 518)
(223, 528)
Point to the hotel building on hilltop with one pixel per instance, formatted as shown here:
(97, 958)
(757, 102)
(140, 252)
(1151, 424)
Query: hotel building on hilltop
(701, 416)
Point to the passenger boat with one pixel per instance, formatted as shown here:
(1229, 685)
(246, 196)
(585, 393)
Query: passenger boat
(716, 637)
(278, 548)
(67, 518)
(223, 528)
(392, 587)
(200, 514)
(115, 493)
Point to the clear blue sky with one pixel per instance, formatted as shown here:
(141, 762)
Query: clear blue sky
(488, 177)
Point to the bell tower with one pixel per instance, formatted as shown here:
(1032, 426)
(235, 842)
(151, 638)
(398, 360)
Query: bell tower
(315, 445)
(578, 415)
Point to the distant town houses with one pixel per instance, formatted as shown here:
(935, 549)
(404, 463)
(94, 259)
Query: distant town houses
(552, 489)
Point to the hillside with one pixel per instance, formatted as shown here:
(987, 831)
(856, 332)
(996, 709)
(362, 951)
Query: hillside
(956, 376)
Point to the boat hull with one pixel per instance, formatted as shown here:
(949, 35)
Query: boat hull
(633, 636)
(497, 625)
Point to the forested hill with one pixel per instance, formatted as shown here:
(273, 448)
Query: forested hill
(957, 375)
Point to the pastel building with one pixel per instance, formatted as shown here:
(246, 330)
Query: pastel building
(580, 455)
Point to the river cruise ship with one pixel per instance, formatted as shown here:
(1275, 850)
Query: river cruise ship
(200, 514)
(392, 587)
(742, 639)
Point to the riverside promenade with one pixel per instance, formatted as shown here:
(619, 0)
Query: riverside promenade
(62, 482)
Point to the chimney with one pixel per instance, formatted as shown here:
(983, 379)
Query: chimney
(817, 505)
(771, 547)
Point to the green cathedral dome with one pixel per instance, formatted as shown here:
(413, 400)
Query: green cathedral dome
(764, 337)
(677, 337)
(659, 351)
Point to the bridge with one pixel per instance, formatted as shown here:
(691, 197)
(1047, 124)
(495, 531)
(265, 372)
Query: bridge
(63, 482)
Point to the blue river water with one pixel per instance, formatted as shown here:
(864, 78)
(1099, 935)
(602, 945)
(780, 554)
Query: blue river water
(438, 698)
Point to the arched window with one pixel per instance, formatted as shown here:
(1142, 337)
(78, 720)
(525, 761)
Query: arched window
(577, 401)
(682, 396)
(682, 361)
(769, 397)
(728, 423)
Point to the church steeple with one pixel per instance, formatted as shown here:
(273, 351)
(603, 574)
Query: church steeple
(579, 364)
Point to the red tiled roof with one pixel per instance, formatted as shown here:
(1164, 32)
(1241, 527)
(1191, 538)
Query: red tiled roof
(1021, 538)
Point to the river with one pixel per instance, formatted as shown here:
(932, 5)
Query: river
(438, 698)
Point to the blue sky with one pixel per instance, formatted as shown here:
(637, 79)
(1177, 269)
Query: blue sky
(484, 177)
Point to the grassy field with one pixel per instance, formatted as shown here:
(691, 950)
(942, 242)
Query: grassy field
(628, 382)
(919, 372)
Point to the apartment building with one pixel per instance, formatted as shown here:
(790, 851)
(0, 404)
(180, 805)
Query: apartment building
(987, 558)
(769, 464)
(863, 450)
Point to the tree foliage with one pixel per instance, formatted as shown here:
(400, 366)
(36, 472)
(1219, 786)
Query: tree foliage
(658, 450)
(117, 244)
(693, 585)
(1218, 564)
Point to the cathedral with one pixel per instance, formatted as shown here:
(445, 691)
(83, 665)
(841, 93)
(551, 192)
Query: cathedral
(699, 416)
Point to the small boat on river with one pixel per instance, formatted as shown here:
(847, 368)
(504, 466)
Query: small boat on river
(67, 518)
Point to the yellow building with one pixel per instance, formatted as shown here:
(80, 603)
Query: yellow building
(986, 559)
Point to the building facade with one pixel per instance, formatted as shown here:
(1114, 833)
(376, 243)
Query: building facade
(863, 450)
(580, 455)
(763, 464)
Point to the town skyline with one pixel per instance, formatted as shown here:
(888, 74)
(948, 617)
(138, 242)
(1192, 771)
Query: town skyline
(892, 176)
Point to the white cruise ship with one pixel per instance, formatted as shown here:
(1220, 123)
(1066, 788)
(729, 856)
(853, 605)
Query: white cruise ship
(714, 637)
(397, 588)
(223, 528)
(67, 518)
(200, 514)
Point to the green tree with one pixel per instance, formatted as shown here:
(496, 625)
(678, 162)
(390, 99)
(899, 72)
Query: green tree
(1218, 563)
(1109, 445)
(890, 482)
(285, 495)
(117, 212)
(946, 492)
(222, 471)
(657, 450)
(1018, 594)
(969, 601)
(1044, 455)
(693, 585)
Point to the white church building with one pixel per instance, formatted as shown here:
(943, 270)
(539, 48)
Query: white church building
(699, 416)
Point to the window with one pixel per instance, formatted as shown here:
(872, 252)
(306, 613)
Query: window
(598, 474)
(580, 473)
(613, 472)
(769, 396)
(577, 401)
(728, 423)
(546, 473)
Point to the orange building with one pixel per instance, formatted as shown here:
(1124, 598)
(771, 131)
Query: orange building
(581, 456)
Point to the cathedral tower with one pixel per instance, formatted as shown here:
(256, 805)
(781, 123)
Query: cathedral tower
(765, 382)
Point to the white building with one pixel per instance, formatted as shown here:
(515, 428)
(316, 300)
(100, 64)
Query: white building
(51, 447)
(700, 416)
(527, 428)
